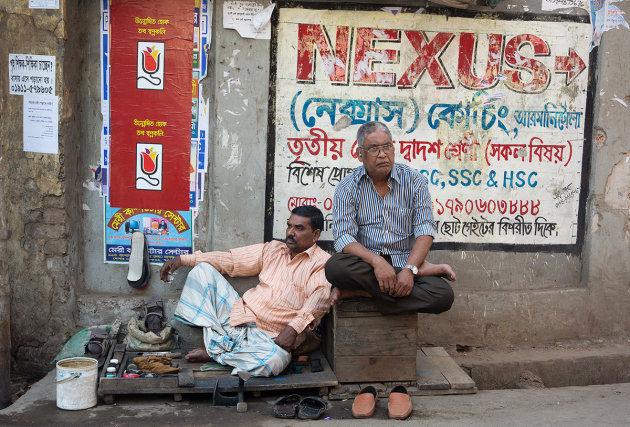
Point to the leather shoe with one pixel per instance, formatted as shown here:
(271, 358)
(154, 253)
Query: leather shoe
(365, 403)
(399, 405)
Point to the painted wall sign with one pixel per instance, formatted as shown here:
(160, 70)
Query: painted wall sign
(492, 112)
(151, 59)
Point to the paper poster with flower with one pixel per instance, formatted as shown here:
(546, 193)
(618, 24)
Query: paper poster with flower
(151, 63)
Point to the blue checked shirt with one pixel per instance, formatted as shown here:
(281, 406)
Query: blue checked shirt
(385, 225)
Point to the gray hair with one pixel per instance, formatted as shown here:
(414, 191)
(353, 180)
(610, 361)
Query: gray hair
(368, 128)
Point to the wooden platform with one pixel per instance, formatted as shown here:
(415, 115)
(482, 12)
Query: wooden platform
(437, 374)
(192, 379)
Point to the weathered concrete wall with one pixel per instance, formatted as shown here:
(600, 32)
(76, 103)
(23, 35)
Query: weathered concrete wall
(5, 298)
(502, 298)
(39, 190)
(541, 297)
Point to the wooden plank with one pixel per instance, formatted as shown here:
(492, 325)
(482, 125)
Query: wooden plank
(446, 392)
(306, 379)
(103, 369)
(210, 374)
(204, 382)
(429, 376)
(376, 336)
(135, 385)
(456, 377)
(367, 368)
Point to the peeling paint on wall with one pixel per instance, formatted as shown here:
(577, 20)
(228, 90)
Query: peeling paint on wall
(617, 193)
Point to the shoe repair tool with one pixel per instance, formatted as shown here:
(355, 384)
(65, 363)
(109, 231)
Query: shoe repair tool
(163, 354)
(219, 398)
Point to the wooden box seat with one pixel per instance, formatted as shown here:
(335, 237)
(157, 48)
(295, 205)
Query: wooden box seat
(363, 345)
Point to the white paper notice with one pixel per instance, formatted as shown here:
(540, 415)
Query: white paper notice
(32, 74)
(563, 4)
(43, 4)
(249, 18)
(40, 124)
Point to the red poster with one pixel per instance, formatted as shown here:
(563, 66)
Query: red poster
(151, 73)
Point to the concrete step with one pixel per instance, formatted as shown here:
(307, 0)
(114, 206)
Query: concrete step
(573, 364)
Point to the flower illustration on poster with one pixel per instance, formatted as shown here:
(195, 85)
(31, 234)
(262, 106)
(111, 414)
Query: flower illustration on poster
(151, 56)
(148, 167)
(150, 69)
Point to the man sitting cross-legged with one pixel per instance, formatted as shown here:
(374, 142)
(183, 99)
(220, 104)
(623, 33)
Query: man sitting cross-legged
(383, 228)
(257, 332)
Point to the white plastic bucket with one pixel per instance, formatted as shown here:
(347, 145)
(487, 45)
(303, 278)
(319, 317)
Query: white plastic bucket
(76, 383)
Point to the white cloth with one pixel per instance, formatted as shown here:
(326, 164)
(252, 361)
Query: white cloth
(206, 301)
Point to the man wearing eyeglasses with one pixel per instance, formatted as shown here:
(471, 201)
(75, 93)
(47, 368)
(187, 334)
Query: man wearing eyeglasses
(383, 229)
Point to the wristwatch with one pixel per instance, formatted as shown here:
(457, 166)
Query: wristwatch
(413, 269)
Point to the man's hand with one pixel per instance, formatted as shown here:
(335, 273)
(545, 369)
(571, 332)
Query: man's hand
(286, 338)
(169, 267)
(404, 283)
(386, 276)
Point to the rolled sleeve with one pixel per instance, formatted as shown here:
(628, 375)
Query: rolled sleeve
(423, 222)
(343, 241)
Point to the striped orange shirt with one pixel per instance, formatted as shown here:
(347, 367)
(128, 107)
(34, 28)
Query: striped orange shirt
(291, 292)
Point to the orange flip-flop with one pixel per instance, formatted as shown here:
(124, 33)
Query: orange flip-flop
(399, 404)
(365, 403)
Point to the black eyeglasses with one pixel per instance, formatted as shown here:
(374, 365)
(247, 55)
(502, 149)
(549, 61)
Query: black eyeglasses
(375, 151)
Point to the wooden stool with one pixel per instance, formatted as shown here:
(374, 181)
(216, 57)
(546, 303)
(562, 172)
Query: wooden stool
(362, 345)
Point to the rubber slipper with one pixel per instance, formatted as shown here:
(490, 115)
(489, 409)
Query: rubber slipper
(139, 269)
(286, 406)
(399, 405)
(311, 408)
(365, 403)
(153, 313)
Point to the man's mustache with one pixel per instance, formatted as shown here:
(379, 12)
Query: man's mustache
(290, 239)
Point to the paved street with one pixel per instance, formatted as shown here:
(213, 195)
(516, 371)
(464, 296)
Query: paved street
(567, 406)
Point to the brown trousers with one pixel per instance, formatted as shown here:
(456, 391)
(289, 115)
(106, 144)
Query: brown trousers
(430, 294)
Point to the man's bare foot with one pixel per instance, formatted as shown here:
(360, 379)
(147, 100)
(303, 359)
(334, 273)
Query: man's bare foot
(338, 294)
(447, 272)
(440, 270)
(198, 355)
